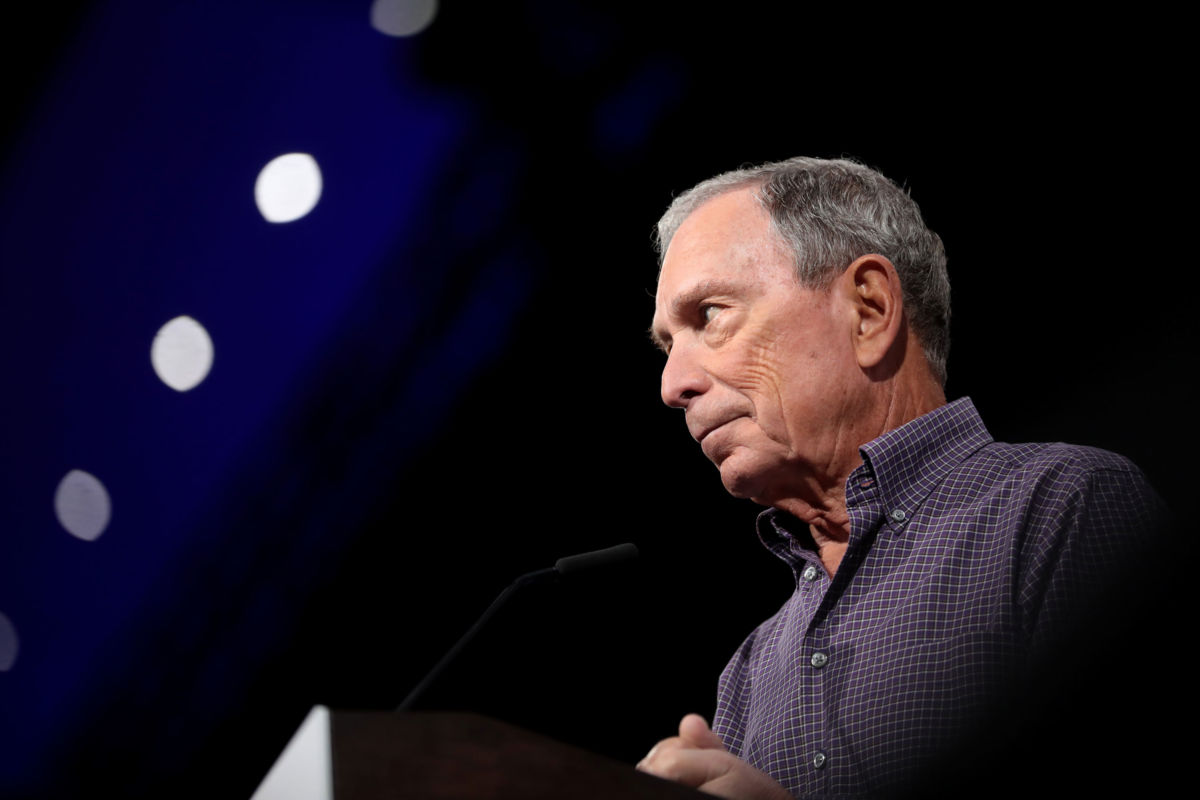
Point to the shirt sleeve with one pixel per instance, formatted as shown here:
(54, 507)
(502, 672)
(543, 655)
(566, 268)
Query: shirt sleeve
(1092, 517)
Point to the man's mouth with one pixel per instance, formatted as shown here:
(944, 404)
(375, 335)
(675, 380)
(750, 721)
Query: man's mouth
(711, 428)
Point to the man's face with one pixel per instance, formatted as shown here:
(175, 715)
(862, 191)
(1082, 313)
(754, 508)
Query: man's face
(762, 367)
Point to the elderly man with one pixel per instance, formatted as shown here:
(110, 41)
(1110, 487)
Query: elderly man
(803, 307)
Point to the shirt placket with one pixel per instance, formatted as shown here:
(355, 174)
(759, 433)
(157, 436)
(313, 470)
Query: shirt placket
(813, 659)
(828, 763)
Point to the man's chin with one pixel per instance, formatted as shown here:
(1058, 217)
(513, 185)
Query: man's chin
(739, 481)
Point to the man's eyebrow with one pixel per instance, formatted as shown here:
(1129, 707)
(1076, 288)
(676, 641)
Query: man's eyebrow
(660, 342)
(689, 297)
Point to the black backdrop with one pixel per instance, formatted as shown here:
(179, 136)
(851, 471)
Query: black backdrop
(1046, 152)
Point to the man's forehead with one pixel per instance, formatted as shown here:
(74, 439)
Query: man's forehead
(730, 217)
(721, 260)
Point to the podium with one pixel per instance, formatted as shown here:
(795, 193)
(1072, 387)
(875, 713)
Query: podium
(368, 755)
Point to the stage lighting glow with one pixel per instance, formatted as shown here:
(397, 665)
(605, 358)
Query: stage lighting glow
(182, 353)
(82, 505)
(402, 17)
(8, 644)
(288, 187)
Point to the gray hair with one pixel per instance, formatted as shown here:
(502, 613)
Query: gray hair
(830, 212)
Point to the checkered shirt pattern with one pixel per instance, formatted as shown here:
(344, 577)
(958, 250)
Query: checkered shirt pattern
(965, 557)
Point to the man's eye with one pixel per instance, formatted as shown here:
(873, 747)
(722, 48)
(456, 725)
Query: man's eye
(709, 312)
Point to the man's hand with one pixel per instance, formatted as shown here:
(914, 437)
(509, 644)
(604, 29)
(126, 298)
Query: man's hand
(697, 758)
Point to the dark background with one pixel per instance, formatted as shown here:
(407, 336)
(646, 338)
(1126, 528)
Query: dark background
(440, 378)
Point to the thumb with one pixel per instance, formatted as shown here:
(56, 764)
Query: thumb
(694, 731)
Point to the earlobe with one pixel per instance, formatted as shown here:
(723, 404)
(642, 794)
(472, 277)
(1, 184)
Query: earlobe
(878, 306)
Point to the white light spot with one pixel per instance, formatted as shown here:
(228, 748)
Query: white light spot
(82, 505)
(288, 187)
(402, 17)
(182, 353)
(8, 644)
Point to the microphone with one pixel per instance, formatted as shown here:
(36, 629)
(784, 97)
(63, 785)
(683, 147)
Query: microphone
(565, 568)
(597, 559)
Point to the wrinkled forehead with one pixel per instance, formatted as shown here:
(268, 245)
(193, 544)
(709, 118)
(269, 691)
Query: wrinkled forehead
(723, 250)
(728, 237)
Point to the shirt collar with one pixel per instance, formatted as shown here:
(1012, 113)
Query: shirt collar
(901, 467)
(910, 461)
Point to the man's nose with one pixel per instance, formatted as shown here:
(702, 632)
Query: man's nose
(682, 378)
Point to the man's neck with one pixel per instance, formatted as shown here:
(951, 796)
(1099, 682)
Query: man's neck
(830, 524)
(830, 549)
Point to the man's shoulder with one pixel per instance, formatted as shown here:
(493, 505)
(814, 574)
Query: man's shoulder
(1048, 488)
(955, 433)
(1053, 491)
(1061, 455)
(1056, 464)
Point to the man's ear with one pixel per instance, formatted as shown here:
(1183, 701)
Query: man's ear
(872, 287)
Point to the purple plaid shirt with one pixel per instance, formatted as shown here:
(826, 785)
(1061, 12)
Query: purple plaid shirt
(966, 557)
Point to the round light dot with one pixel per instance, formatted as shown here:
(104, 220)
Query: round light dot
(8, 644)
(82, 505)
(182, 353)
(402, 17)
(288, 187)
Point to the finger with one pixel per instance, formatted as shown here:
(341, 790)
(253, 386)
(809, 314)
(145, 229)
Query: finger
(694, 731)
(659, 749)
(688, 766)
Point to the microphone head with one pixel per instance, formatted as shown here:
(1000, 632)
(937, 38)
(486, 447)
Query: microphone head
(597, 559)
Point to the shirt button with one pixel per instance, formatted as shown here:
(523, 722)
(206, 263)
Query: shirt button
(897, 515)
(819, 659)
(810, 573)
(867, 483)
(819, 759)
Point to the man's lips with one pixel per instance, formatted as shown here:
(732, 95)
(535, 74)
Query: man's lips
(703, 431)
